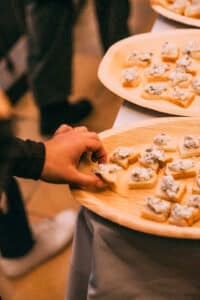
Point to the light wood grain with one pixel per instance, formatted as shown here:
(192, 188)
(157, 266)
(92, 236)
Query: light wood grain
(113, 62)
(124, 207)
(176, 17)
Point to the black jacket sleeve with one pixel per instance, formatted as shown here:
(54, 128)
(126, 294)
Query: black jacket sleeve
(28, 158)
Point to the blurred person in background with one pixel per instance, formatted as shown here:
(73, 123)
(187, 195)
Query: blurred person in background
(50, 49)
(23, 246)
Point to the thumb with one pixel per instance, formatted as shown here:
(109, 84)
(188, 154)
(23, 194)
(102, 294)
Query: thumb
(87, 180)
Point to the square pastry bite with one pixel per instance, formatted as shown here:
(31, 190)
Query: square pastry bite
(181, 168)
(196, 186)
(130, 77)
(187, 64)
(170, 190)
(179, 96)
(193, 201)
(158, 72)
(108, 173)
(139, 59)
(163, 3)
(182, 215)
(153, 157)
(154, 91)
(124, 156)
(192, 48)
(164, 141)
(156, 209)
(196, 85)
(169, 52)
(178, 6)
(190, 146)
(142, 178)
(179, 78)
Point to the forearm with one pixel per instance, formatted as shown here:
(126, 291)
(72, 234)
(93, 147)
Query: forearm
(28, 158)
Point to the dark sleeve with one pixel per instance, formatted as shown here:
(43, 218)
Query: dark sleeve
(28, 158)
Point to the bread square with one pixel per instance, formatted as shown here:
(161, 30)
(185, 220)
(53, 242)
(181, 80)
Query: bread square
(154, 91)
(193, 201)
(156, 209)
(187, 64)
(182, 215)
(169, 52)
(124, 156)
(181, 97)
(181, 168)
(178, 6)
(192, 11)
(139, 59)
(179, 78)
(164, 142)
(170, 190)
(108, 173)
(157, 72)
(196, 85)
(192, 49)
(189, 146)
(153, 157)
(142, 178)
(130, 77)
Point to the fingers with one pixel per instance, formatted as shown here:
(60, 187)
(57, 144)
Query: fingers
(81, 129)
(96, 146)
(63, 129)
(86, 180)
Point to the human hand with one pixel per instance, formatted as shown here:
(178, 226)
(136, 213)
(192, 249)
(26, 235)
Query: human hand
(63, 153)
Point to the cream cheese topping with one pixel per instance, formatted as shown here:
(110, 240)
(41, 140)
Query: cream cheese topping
(159, 206)
(181, 165)
(123, 152)
(191, 142)
(161, 139)
(158, 69)
(106, 168)
(153, 155)
(141, 56)
(196, 83)
(169, 48)
(184, 61)
(182, 211)
(194, 201)
(130, 74)
(180, 94)
(191, 47)
(169, 186)
(155, 88)
(141, 174)
(178, 76)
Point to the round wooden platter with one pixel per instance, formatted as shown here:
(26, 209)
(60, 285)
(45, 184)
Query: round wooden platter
(176, 17)
(113, 62)
(124, 208)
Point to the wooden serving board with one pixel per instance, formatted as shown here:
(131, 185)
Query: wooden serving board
(125, 208)
(113, 62)
(176, 17)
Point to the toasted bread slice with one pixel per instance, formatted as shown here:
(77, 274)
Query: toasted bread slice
(157, 72)
(181, 168)
(192, 11)
(108, 173)
(142, 178)
(182, 215)
(139, 59)
(154, 91)
(196, 186)
(189, 146)
(169, 52)
(179, 78)
(192, 49)
(187, 64)
(196, 85)
(124, 156)
(174, 196)
(130, 77)
(193, 200)
(156, 209)
(164, 142)
(178, 6)
(181, 97)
